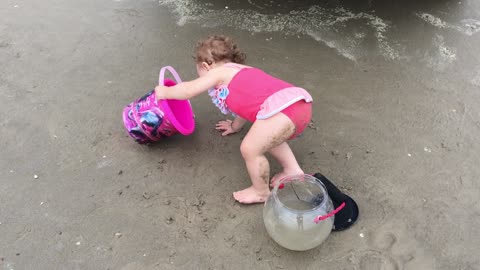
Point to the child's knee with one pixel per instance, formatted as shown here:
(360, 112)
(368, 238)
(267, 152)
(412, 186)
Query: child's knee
(248, 149)
(245, 150)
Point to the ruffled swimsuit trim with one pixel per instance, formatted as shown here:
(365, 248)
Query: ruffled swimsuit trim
(219, 96)
(282, 100)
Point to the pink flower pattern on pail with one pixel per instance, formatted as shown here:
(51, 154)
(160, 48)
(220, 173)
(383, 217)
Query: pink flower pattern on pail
(149, 120)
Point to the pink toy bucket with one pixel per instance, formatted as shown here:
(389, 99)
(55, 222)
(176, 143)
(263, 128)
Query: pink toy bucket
(149, 120)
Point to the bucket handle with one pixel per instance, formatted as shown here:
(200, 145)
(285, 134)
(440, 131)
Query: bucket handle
(319, 218)
(161, 76)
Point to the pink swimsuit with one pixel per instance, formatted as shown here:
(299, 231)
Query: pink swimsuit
(255, 95)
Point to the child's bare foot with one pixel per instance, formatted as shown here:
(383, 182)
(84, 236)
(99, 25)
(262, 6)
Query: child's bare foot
(283, 174)
(251, 195)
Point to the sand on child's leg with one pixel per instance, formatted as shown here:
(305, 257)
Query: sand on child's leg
(284, 155)
(262, 136)
(259, 191)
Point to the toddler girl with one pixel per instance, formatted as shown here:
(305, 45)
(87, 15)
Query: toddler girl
(278, 110)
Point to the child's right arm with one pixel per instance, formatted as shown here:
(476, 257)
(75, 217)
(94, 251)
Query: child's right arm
(187, 90)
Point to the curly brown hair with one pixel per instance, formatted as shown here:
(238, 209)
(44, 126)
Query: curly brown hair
(218, 48)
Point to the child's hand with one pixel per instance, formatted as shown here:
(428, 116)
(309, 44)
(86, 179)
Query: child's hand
(226, 127)
(160, 92)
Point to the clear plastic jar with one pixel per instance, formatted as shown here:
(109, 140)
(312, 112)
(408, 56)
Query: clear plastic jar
(292, 210)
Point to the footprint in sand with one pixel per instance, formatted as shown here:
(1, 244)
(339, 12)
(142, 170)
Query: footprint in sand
(374, 260)
(379, 255)
(383, 241)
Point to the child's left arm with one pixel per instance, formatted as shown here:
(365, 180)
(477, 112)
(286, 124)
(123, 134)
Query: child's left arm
(187, 90)
(230, 127)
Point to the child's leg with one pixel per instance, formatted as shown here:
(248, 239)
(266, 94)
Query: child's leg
(284, 155)
(300, 114)
(262, 136)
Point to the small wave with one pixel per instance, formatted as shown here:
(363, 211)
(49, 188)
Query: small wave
(468, 27)
(328, 26)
